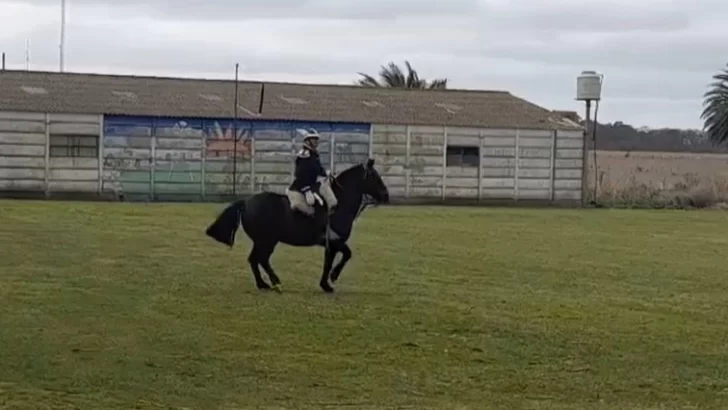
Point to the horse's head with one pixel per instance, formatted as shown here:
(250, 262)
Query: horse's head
(363, 179)
(373, 184)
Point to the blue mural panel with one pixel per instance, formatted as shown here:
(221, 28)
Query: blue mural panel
(193, 158)
(127, 126)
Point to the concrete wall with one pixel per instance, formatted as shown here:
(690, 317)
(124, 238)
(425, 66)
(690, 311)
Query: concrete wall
(146, 158)
(33, 150)
(422, 162)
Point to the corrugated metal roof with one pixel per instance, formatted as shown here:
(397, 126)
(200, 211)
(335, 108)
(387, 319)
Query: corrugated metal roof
(171, 97)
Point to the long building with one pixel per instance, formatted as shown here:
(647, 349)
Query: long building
(166, 139)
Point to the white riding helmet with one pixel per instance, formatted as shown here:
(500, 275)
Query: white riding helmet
(309, 134)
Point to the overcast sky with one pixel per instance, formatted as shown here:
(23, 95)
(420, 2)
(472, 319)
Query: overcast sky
(657, 55)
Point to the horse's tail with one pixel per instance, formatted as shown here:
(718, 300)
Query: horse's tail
(226, 225)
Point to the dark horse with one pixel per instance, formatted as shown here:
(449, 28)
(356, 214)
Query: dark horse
(267, 219)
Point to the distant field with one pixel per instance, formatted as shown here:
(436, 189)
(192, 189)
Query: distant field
(622, 170)
(130, 306)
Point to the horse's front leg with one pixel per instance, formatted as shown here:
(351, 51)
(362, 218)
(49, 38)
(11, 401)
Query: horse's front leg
(345, 257)
(329, 256)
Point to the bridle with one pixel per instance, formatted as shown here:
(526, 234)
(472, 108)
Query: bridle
(367, 200)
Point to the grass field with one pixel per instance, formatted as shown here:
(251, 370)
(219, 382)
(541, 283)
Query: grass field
(130, 306)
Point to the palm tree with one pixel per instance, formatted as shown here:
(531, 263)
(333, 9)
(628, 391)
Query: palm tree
(392, 76)
(715, 108)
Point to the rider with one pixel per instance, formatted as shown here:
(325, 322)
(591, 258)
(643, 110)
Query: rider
(310, 171)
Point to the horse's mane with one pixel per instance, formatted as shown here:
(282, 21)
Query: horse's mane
(346, 174)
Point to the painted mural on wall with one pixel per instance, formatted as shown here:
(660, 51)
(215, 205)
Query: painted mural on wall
(147, 157)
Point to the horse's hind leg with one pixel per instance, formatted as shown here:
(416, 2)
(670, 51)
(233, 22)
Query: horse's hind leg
(264, 255)
(345, 257)
(254, 260)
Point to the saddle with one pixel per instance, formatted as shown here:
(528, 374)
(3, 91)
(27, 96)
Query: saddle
(311, 208)
(308, 203)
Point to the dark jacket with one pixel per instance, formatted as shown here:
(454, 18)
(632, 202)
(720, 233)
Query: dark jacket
(308, 169)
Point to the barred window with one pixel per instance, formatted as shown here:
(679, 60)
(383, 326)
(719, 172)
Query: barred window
(74, 146)
(463, 156)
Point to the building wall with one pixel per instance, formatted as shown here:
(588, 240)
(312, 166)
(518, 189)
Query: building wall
(486, 164)
(192, 159)
(146, 158)
(31, 157)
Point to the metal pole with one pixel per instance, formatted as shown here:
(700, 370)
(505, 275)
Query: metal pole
(235, 133)
(3, 66)
(62, 44)
(585, 156)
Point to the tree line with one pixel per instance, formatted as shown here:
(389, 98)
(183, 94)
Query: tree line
(619, 136)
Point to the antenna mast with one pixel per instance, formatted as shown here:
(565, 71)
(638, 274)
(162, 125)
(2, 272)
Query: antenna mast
(235, 131)
(62, 44)
(27, 54)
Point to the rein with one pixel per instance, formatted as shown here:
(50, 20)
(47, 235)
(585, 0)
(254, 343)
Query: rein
(363, 204)
(366, 199)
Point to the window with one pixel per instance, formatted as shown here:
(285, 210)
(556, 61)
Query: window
(74, 146)
(461, 156)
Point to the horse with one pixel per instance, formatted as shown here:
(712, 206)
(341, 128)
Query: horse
(267, 219)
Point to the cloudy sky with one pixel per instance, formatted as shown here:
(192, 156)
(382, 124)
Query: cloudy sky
(657, 55)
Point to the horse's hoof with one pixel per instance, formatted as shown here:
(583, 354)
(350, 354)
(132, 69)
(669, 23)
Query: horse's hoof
(277, 288)
(263, 286)
(327, 288)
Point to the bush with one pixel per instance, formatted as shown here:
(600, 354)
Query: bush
(692, 192)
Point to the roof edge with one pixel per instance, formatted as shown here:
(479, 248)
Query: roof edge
(242, 81)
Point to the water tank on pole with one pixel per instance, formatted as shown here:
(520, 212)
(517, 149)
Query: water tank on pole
(589, 86)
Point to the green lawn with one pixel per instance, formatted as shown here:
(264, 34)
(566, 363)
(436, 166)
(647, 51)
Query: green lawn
(130, 306)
